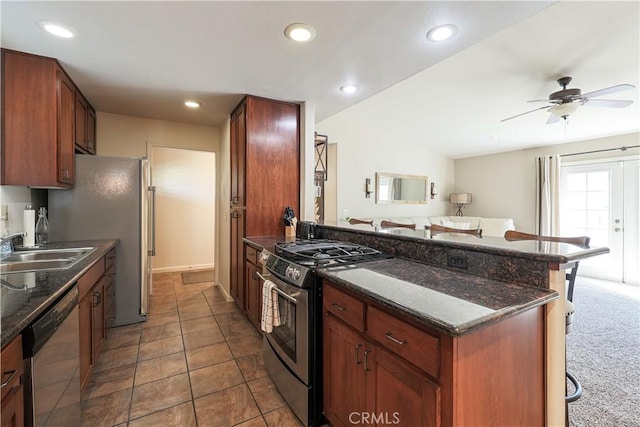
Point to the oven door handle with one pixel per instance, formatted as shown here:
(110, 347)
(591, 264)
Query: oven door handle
(278, 291)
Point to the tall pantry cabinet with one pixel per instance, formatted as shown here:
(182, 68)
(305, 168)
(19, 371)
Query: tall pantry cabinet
(265, 177)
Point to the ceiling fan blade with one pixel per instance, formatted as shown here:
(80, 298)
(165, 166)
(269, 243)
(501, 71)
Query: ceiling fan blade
(544, 100)
(611, 103)
(607, 91)
(552, 119)
(522, 114)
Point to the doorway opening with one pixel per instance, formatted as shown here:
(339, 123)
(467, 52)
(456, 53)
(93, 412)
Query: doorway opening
(185, 182)
(600, 200)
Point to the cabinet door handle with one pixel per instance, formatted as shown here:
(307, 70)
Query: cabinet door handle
(12, 373)
(357, 348)
(338, 306)
(395, 340)
(235, 200)
(235, 214)
(366, 360)
(254, 275)
(97, 299)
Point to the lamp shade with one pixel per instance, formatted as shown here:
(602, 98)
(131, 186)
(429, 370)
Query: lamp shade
(460, 198)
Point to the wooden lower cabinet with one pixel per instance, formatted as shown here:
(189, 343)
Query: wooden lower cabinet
(86, 346)
(384, 368)
(97, 289)
(343, 373)
(12, 412)
(253, 286)
(398, 393)
(97, 318)
(363, 384)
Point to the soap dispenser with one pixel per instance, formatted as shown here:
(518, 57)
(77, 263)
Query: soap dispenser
(42, 227)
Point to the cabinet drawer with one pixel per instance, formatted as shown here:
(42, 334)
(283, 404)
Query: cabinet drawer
(251, 254)
(413, 344)
(11, 365)
(344, 306)
(86, 282)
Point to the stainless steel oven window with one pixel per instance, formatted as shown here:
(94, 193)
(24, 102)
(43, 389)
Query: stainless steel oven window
(293, 340)
(285, 334)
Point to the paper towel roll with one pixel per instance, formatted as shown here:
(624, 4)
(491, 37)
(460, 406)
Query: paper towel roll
(29, 224)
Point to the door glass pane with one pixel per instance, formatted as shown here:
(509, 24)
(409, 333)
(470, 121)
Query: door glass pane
(598, 200)
(576, 182)
(598, 219)
(598, 181)
(577, 199)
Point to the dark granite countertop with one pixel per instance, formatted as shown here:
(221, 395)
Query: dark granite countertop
(38, 290)
(560, 253)
(452, 302)
(267, 242)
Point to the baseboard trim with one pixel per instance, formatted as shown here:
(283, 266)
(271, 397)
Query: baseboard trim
(228, 297)
(183, 268)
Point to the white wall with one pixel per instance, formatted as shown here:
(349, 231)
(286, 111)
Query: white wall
(127, 136)
(15, 198)
(223, 230)
(503, 184)
(367, 142)
(185, 208)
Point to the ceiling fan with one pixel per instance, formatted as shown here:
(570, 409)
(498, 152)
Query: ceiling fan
(565, 102)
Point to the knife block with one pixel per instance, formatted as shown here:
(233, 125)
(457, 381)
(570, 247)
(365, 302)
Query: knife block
(289, 231)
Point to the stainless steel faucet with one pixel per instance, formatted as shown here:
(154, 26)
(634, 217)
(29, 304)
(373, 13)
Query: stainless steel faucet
(9, 238)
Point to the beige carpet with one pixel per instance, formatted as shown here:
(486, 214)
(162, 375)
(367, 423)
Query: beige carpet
(197, 277)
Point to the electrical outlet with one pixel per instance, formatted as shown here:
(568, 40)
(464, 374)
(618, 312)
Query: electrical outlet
(345, 213)
(4, 213)
(458, 261)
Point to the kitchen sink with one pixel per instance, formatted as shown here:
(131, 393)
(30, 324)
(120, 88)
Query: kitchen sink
(43, 259)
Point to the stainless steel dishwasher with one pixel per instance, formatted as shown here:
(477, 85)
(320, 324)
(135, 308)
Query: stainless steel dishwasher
(52, 365)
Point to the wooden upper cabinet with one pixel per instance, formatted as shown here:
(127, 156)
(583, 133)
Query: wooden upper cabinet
(38, 122)
(85, 141)
(66, 127)
(238, 145)
(272, 164)
(81, 120)
(91, 130)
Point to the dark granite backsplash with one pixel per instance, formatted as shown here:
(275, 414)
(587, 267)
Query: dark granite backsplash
(506, 268)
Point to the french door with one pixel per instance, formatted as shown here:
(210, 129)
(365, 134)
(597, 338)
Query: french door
(600, 200)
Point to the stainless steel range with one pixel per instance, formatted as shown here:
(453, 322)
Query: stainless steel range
(293, 350)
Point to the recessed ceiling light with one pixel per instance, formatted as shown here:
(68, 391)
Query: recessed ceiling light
(349, 89)
(495, 138)
(192, 104)
(442, 32)
(300, 32)
(57, 29)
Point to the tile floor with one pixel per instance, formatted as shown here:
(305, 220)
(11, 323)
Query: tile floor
(197, 361)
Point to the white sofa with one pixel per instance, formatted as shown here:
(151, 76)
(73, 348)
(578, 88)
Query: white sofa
(489, 226)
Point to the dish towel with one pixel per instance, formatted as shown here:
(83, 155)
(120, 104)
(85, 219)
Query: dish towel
(270, 308)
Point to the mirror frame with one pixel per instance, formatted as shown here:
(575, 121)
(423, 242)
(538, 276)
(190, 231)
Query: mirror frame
(380, 175)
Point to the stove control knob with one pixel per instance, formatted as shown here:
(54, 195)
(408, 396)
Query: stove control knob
(296, 273)
(289, 272)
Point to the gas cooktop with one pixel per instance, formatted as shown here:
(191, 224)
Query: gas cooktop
(321, 252)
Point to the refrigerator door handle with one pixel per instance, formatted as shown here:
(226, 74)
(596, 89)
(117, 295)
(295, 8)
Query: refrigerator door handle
(152, 190)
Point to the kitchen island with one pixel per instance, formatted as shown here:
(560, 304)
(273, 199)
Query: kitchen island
(491, 290)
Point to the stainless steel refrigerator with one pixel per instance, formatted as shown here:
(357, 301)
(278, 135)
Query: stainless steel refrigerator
(112, 198)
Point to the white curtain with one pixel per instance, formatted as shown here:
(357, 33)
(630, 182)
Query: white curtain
(548, 195)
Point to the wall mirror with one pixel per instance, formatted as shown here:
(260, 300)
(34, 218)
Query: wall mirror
(395, 188)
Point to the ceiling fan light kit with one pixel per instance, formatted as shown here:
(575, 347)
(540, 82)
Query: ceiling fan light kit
(565, 102)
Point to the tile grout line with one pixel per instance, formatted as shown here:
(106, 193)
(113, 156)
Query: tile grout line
(186, 361)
